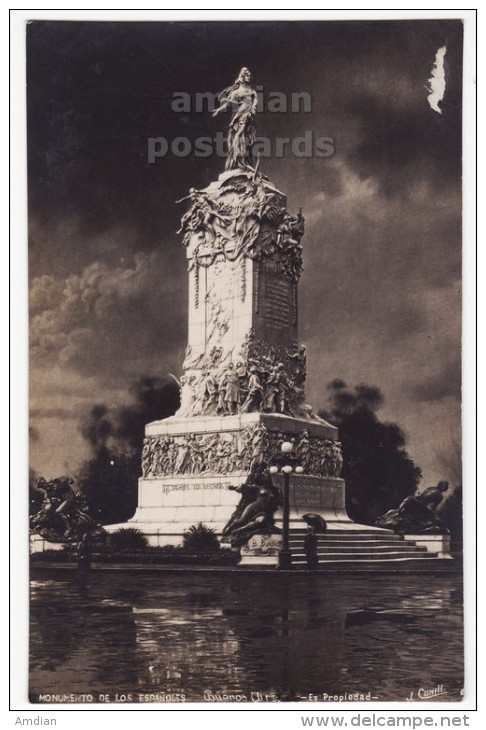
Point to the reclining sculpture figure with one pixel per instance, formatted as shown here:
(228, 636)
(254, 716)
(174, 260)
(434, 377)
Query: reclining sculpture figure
(255, 511)
(416, 514)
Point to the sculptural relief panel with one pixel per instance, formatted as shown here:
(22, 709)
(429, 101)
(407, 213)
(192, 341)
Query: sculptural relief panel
(242, 215)
(235, 452)
(254, 376)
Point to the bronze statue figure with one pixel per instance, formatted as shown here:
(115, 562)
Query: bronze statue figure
(416, 515)
(255, 511)
(63, 515)
(241, 135)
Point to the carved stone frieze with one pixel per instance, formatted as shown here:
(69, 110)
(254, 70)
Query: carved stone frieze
(266, 378)
(233, 452)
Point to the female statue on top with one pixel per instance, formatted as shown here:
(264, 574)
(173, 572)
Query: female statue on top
(241, 136)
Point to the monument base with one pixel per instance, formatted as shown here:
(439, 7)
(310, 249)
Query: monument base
(169, 506)
(439, 545)
(191, 464)
(261, 550)
(279, 422)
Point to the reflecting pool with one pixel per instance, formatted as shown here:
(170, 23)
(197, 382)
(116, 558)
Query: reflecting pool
(247, 637)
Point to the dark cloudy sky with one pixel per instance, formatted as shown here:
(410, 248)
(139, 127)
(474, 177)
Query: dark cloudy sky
(380, 294)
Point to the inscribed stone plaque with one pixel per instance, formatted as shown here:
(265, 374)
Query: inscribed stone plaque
(277, 306)
(278, 303)
(306, 497)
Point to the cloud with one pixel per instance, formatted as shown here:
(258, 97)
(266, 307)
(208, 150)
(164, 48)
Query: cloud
(109, 321)
(443, 384)
(399, 144)
(91, 334)
(379, 298)
(50, 413)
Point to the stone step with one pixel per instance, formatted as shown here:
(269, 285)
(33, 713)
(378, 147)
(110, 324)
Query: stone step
(349, 543)
(358, 556)
(357, 548)
(364, 558)
(347, 533)
(361, 545)
(390, 566)
(360, 536)
(380, 549)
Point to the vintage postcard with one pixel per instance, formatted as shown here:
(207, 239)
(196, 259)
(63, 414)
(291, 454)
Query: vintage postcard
(245, 460)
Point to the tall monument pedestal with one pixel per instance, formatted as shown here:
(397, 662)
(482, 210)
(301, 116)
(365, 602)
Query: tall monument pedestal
(190, 463)
(244, 372)
(245, 454)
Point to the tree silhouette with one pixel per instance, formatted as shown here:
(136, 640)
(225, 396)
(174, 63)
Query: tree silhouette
(377, 469)
(449, 461)
(109, 479)
(35, 497)
(450, 511)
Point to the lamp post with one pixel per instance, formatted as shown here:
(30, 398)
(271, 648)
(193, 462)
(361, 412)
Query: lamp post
(287, 463)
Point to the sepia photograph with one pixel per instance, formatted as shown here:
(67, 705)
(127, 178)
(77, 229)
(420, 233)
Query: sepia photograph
(245, 251)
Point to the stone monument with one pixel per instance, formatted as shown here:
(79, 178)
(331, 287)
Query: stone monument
(244, 373)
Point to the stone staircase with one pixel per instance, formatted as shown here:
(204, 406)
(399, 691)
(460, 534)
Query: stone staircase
(359, 547)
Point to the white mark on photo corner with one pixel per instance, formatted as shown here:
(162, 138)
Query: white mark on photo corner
(437, 81)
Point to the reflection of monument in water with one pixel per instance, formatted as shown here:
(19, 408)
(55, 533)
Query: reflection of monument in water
(243, 387)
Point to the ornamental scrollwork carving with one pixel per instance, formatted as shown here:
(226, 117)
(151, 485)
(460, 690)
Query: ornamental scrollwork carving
(243, 215)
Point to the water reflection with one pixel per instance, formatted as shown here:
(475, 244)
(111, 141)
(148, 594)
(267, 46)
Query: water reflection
(175, 637)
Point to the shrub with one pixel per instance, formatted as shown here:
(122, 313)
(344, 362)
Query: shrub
(52, 556)
(128, 538)
(200, 538)
(167, 555)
